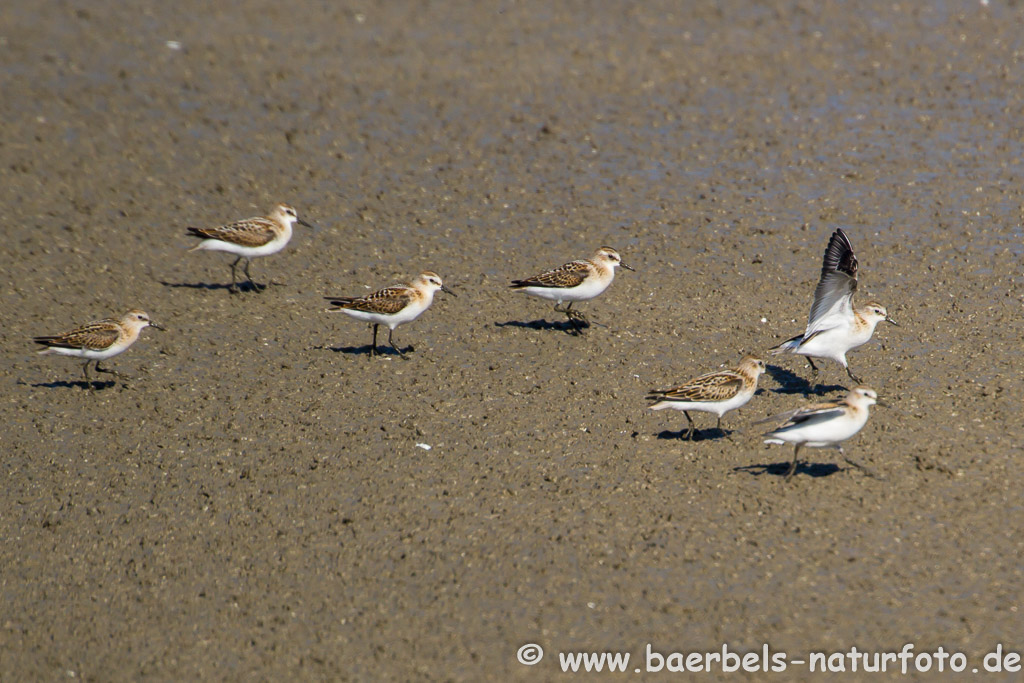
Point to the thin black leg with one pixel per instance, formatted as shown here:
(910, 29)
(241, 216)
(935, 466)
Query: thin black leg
(689, 432)
(258, 287)
(728, 435)
(234, 280)
(792, 465)
(860, 466)
(392, 343)
(814, 368)
(115, 373)
(578, 321)
(88, 380)
(853, 376)
(373, 346)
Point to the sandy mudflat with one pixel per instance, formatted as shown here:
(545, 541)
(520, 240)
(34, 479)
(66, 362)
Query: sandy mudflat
(255, 504)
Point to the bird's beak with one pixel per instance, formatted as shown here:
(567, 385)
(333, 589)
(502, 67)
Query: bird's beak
(159, 327)
(445, 289)
(627, 267)
(308, 225)
(881, 403)
(890, 320)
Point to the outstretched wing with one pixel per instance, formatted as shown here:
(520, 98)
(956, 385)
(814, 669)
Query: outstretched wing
(564, 277)
(96, 336)
(832, 297)
(385, 301)
(252, 232)
(716, 386)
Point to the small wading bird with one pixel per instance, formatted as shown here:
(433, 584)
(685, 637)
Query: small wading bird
(250, 238)
(575, 281)
(391, 306)
(823, 425)
(99, 340)
(715, 392)
(835, 326)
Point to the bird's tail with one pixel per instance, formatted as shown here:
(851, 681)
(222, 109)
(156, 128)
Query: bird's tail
(661, 401)
(788, 346)
(45, 341)
(197, 232)
(340, 302)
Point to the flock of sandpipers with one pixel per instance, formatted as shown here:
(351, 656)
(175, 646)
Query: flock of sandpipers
(833, 328)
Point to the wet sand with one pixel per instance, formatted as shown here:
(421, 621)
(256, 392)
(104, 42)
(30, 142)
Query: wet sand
(256, 502)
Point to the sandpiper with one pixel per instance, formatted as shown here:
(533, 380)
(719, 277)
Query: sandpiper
(824, 425)
(99, 340)
(834, 326)
(715, 392)
(250, 238)
(391, 306)
(575, 281)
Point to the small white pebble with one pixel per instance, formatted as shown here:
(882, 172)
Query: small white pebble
(424, 446)
(173, 44)
(764, 320)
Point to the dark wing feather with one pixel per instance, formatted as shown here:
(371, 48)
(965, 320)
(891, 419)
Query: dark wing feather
(807, 415)
(252, 232)
(96, 335)
(385, 301)
(837, 284)
(805, 418)
(716, 386)
(564, 277)
(839, 256)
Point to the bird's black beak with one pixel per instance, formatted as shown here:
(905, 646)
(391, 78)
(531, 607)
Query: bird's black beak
(881, 403)
(308, 225)
(891, 321)
(627, 267)
(159, 327)
(445, 289)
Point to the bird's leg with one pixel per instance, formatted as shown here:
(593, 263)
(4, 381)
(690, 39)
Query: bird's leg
(234, 281)
(860, 466)
(728, 435)
(373, 346)
(115, 373)
(814, 368)
(792, 465)
(575, 315)
(258, 287)
(576, 318)
(853, 376)
(689, 432)
(391, 332)
(88, 380)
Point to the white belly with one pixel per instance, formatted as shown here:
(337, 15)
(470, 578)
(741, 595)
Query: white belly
(834, 343)
(584, 291)
(90, 354)
(392, 320)
(272, 247)
(718, 408)
(821, 435)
